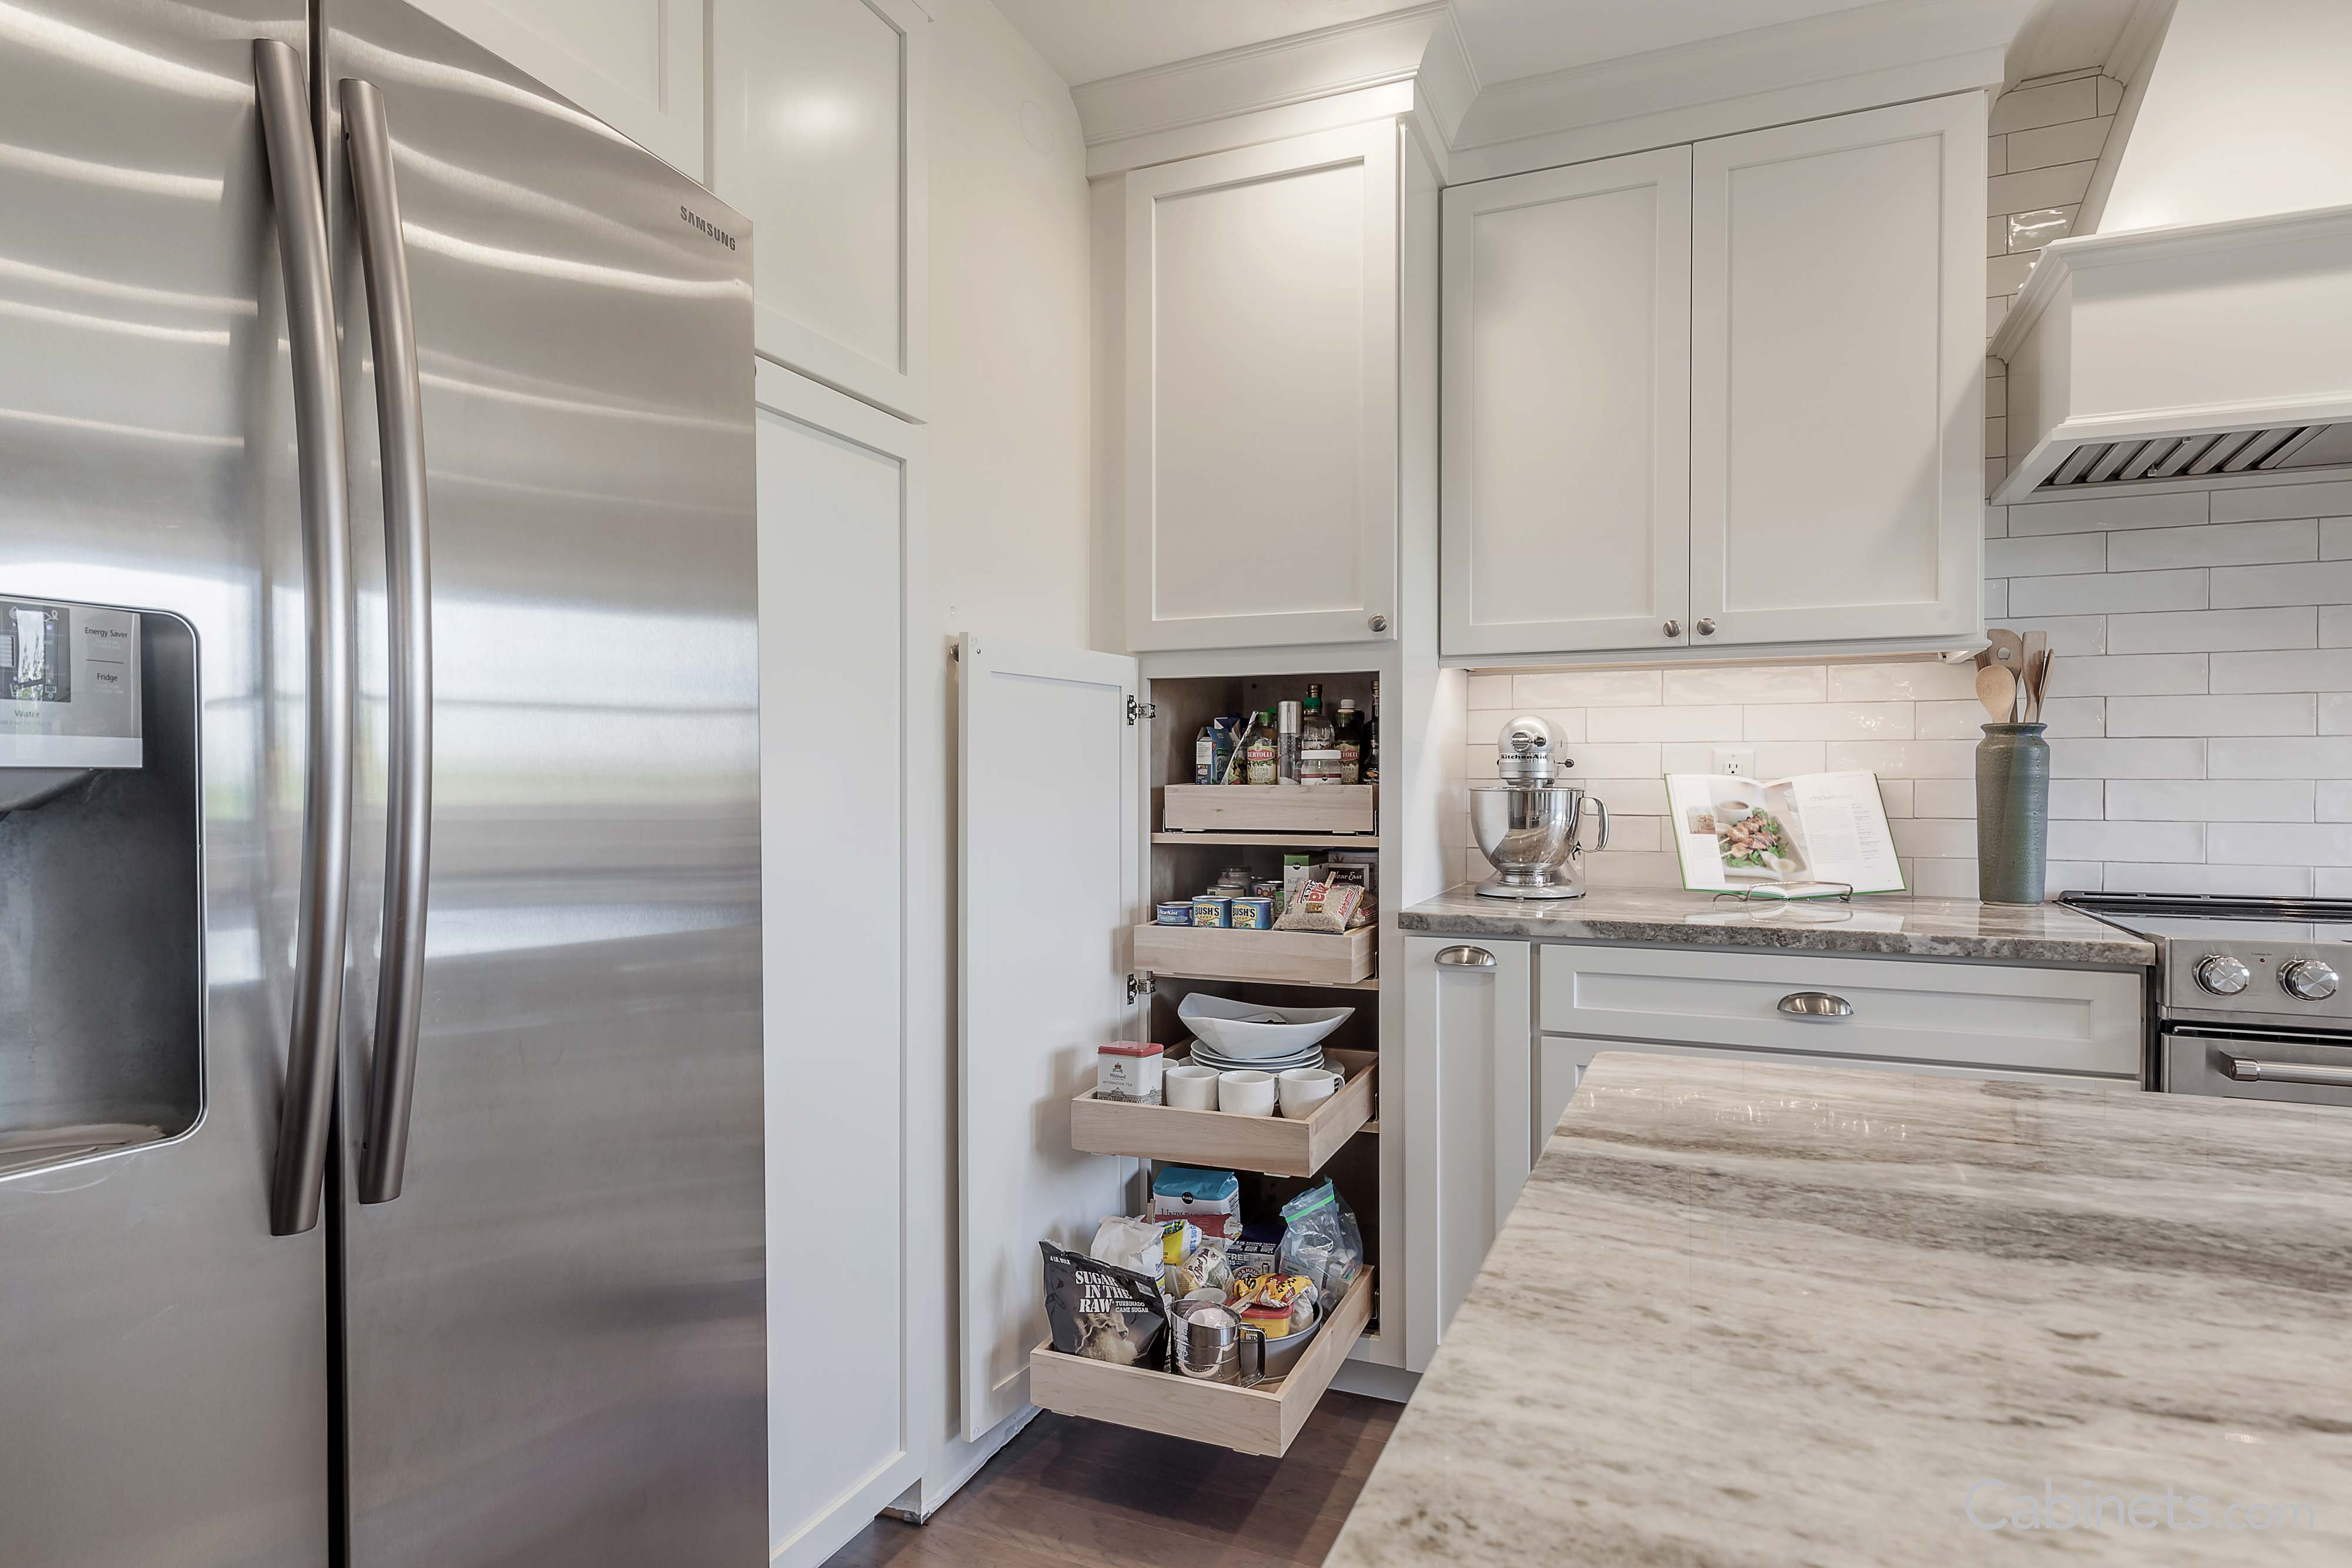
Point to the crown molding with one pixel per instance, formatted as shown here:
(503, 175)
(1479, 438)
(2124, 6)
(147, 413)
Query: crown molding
(1884, 53)
(1376, 51)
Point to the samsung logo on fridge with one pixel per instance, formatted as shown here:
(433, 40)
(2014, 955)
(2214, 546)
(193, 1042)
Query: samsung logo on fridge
(706, 226)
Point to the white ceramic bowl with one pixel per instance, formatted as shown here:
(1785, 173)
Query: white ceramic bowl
(1245, 1031)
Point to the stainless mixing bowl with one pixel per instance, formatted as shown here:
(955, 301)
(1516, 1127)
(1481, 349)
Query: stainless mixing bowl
(1530, 834)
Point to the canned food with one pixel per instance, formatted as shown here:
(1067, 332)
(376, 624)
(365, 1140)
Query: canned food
(1176, 912)
(1252, 915)
(1211, 909)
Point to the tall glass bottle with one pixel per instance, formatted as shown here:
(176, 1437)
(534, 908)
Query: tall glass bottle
(1371, 771)
(1348, 734)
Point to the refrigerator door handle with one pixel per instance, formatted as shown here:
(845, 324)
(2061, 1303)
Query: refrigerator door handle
(300, 1171)
(400, 418)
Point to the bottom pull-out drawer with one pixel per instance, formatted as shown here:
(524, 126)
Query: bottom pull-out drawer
(1260, 1420)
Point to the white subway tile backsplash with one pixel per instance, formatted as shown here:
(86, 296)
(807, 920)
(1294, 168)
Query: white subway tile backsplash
(1996, 598)
(2280, 714)
(1952, 798)
(2336, 713)
(2213, 630)
(1588, 688)
(2069, 142)
(2111, 94)
(2045, 104)
(1606, 867)
(1904, 759)
(2073, 634)
(1638, 796)
(2305, 582)
(2335, 800)
(1896, 795)
(2076, 799)
(2162, 758)
(1920, 680)
(2213, 544)
(1624, 724)
(1634, 760)
(2098, 513)
(2334, 538)
(2336, 626)
(2063, 716)
(2254, 882)
(2330, 498)
(2210, 801)
(2277, 756)
(2045, 555)
(1940, 878)
(1935, 838)
(1829, 721)
(2101, 594)
(1749, 684)
(1488, 691)
(2111, 841)
(1632, 834)
(2061, 185)
(2131, 674)
(2279, 844)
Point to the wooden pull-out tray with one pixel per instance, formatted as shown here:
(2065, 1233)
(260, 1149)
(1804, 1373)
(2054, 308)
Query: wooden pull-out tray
(1215, 952)
(1268, 807)
(1219, 1140)
(1261, 1420)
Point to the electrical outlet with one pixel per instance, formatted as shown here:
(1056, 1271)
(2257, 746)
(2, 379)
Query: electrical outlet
(1736, 761)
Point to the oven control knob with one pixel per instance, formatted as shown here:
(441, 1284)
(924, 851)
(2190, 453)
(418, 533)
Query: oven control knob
(2311, 979)
(2222, 974)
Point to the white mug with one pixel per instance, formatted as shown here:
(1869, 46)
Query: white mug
(1191, 1087)
(1304, 1089)
(1245, 1092)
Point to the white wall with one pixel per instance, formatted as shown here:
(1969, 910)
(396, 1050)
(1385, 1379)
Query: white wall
(1009, 525)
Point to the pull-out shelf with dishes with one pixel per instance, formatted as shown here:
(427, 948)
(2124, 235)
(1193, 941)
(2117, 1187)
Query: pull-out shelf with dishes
(1196, 834)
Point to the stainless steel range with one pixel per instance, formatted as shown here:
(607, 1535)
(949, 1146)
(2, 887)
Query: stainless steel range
(2251, 995)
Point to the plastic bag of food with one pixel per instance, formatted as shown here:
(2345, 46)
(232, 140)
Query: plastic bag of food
(1104, 1313)
(1134, 1245)
(1322, 1241)
(1281, 1304)
(1328, 905)
(1205, 1268)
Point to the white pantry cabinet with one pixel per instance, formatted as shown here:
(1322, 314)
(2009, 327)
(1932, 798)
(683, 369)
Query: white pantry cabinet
(1566, 408)
(1260, 393)
(840, 531)
(1468, 1028)
(1828, 313)
(1837, 387)
(634, 64)
(817, 137)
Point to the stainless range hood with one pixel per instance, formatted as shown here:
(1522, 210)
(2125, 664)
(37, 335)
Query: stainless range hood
(2204, 336)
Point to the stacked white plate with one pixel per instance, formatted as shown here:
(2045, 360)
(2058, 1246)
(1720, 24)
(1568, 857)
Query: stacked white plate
(1209, 1056)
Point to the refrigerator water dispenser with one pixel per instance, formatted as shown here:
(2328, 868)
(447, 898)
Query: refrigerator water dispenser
(101, 905)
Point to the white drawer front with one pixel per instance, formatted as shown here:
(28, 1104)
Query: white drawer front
(2050, 1020)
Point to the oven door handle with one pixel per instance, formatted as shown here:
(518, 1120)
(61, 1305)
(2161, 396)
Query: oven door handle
(2245, 1069)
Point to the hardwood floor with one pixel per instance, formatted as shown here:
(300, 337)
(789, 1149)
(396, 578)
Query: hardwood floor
(1079, 1494)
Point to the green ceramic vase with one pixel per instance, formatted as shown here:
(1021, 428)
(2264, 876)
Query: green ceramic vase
(2012, 813)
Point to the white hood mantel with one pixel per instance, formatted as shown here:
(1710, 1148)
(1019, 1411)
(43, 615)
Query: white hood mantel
(2204, 336)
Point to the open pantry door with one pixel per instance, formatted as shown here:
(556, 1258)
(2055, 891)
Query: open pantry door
(1049, 873)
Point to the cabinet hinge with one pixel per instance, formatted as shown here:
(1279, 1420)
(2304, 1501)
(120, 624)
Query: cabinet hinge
(1136, 710)
(1139, 984)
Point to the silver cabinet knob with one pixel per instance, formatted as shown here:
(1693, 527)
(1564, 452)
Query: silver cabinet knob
(1465, 958)
(1378, 623)
(2310, 979)
(1816, 1005)
(2222, 975)
(1674, 628)
(1706, 625)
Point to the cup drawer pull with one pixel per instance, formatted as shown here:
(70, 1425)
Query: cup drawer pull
(1816, 1005)
(1465, 958)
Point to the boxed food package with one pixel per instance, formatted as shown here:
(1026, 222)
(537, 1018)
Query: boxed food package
(1210, 1199)
(1130, 1070)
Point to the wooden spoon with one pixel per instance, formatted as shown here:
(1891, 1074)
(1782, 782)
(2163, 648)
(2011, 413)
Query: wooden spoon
(1997, 689)
(2036, 651)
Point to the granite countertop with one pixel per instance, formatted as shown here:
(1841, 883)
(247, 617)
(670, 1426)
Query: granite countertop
(1758, 1314)
(1880, 923)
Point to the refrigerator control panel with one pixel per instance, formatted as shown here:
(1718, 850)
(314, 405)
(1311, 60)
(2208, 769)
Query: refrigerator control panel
(69, 686)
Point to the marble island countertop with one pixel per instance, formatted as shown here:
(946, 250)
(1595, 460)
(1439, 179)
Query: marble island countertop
(1758, 1314)
(1880, 923)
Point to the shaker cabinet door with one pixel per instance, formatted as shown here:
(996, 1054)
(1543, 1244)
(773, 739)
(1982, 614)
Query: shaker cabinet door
(1261, 394)
(1837, 333)
(818, 138)
(1566, 521)
(635, 65)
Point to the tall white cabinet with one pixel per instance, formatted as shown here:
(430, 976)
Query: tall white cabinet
(817, 137)
(1260, 393)
(1720, 397)
(842, 867)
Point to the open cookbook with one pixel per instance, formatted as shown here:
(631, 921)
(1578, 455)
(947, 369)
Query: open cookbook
(1813, 836)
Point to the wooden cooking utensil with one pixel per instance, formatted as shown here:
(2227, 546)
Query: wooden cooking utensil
(2036, 650)
(2008, 648)
(1997, 689)
(2042, 681)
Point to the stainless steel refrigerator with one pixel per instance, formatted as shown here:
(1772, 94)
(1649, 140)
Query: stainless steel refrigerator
(380, 1077)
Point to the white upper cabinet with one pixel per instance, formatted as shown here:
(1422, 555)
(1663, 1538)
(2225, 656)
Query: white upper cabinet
(1837, 346)
(817, 138)
(1261, 394)
(1566, 408)
(635, 65)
